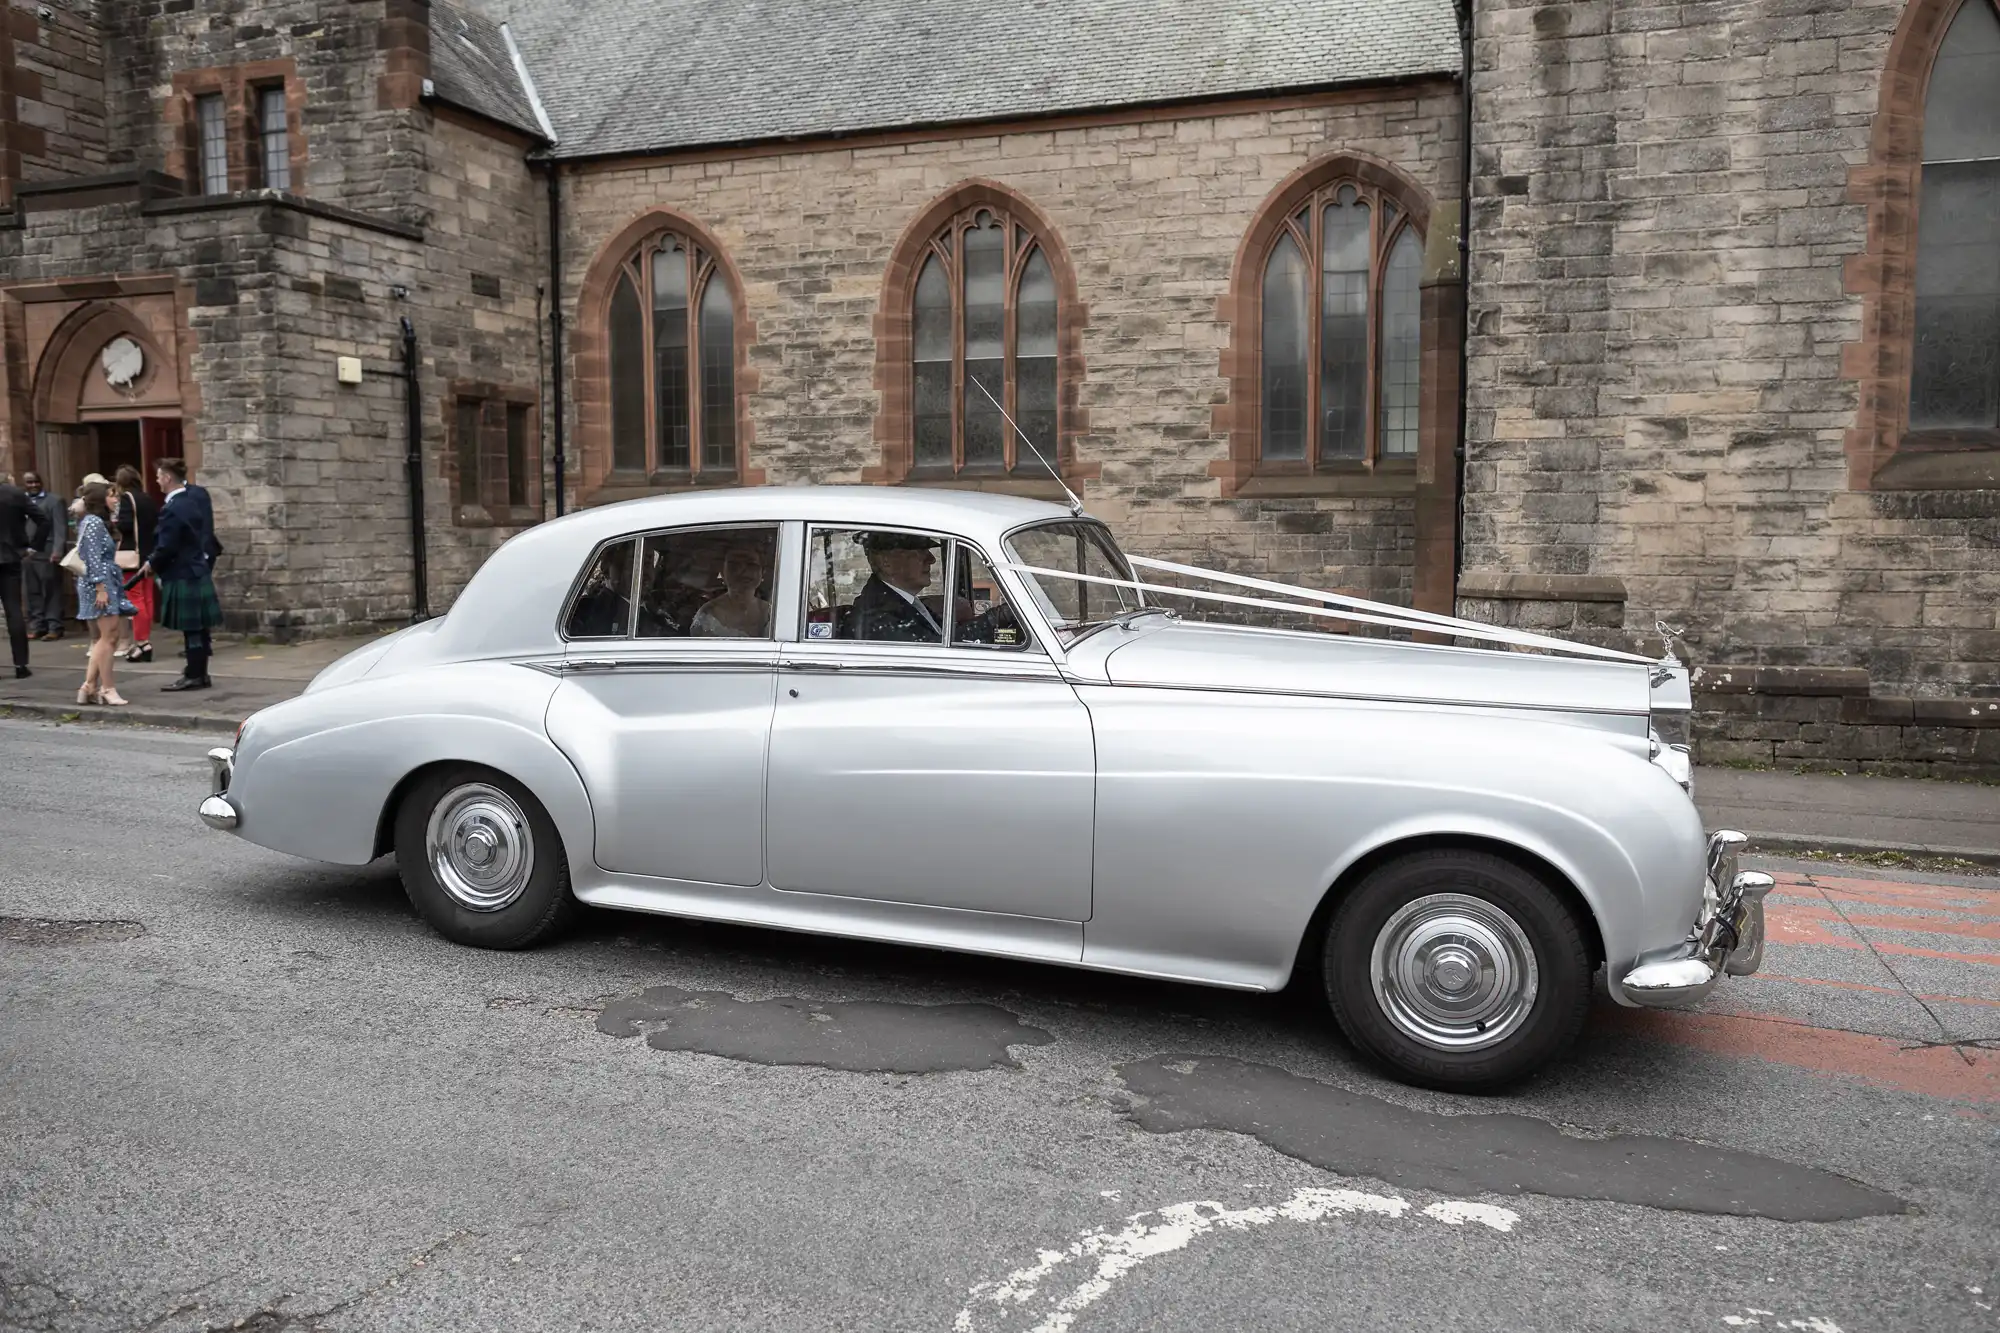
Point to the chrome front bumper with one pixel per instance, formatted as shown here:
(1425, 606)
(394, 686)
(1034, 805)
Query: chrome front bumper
(218, 811)
(1728, 937)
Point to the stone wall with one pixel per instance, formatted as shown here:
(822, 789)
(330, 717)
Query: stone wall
(52, 108)
(359, 152)
(1151, 211)
(1663, 290)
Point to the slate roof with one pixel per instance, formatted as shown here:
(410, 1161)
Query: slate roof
(472, 68)
(631, 75)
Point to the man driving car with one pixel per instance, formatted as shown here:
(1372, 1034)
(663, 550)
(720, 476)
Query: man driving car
(890, 606)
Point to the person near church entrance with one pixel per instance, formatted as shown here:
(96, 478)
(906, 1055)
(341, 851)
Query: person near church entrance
(184, 553)
(100, 596)
(20, 524)
(42, 576)
(137, 522)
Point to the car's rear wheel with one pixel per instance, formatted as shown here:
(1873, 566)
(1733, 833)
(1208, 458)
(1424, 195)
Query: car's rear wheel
(481, 860)
(1457, 969)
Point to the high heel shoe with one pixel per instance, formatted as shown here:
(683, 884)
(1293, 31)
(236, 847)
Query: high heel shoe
(139, 652)
(112, 697)
(86, 695)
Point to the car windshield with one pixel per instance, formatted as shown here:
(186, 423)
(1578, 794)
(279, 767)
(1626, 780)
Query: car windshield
(1075, 546)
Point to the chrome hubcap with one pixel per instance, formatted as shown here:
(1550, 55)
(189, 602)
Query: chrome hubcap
(1454, 972)
(480, 848)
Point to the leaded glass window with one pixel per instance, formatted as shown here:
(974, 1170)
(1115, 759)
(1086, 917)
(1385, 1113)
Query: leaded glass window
(274, 137)
(1955, 372)
(673, 365)
(983, 329)
(1340, 333)
(212, 136)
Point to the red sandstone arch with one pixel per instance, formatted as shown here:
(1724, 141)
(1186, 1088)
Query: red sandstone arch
(592, 373)
(894, 410)
(1242, 306)
(1884, 275)
(70, 357)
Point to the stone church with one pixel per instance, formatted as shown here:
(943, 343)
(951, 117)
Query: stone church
(1718, 343)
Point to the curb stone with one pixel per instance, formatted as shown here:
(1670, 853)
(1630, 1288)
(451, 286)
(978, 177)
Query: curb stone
(1780, 844)
(131, 717)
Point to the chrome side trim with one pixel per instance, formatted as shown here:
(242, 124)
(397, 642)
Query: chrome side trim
(920, 669)
(1413, 700)
(598, 666)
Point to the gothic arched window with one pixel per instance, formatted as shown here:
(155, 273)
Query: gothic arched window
(672, 364)
(983, 337)
(1955, 364)
(1339, 340)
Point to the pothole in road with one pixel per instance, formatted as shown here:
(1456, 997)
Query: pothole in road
(1359, 1135)
(861, 1036)
(49, 930)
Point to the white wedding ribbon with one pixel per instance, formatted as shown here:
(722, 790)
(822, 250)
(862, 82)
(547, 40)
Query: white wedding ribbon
(1364, 612)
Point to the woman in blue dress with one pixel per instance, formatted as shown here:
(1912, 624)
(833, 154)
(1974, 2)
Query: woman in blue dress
(100, 595)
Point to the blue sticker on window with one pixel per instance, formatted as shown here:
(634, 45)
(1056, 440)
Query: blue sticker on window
(819, 631)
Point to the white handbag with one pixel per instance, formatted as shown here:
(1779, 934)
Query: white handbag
(74, 563)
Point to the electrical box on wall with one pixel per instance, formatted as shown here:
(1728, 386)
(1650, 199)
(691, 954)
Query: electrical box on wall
(348, 369)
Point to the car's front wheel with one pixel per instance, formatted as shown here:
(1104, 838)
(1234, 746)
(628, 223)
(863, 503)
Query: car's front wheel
(481, 860)
(1457, 969)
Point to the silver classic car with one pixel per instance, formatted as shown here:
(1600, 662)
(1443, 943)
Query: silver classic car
(967, 721)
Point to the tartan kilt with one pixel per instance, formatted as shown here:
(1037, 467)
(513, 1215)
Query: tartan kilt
(188, 604)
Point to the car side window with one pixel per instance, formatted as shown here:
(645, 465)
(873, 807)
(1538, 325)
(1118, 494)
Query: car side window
(603, 605)
(981, 614)
(877, 585)
(707, 583)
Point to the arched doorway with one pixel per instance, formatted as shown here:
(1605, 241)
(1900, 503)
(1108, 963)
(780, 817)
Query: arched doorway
(107, 390)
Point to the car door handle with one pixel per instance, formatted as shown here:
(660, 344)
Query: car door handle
(592, 664)
(812, 666)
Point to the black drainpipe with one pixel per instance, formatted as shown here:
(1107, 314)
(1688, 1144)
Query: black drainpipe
(414, 409)
(556, 326)
(1464, 283)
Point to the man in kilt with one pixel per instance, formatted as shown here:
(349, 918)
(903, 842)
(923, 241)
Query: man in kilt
(184, 551)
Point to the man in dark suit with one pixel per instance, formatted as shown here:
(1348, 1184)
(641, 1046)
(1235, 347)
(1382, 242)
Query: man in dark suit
(43, 574)
(20, 524)
(890, 607)
(184, 551)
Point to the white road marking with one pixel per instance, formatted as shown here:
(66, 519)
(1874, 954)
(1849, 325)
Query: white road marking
(1455, 1213)
(1810, 1324)
(1109, 1253)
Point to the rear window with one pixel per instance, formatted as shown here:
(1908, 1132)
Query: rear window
(603, 605)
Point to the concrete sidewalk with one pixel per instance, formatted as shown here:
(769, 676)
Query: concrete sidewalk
(1817, 811)
(247, 676)
(1782, 812)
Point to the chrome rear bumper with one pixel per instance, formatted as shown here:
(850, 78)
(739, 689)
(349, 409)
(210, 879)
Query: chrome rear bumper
(218, 811)
(1728, 937)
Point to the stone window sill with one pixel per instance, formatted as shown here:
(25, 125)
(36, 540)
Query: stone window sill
(618, 486)
(1395, 478)
(1955, 461)
(496, 516)
(1043, 487)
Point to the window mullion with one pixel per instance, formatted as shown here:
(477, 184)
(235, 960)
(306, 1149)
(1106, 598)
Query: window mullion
(1009, 350)
(1368, 340)
(1311, 244)
(958, 377)
(692, 318)
(649, 460)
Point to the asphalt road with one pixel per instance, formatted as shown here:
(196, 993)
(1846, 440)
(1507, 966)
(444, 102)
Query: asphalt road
(244, 1091)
